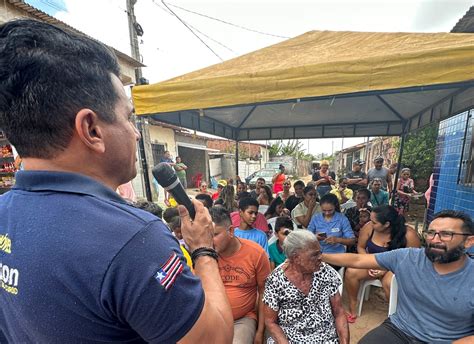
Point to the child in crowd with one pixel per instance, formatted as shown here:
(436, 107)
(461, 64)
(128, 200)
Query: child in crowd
(171, 216)
(248, 210)
(405, 190)
(283, 227)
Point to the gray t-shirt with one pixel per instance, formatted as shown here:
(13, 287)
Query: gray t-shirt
(382, 174)
(431, 307)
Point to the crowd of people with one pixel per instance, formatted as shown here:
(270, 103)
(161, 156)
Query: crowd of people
(270, 246)
(80, 264)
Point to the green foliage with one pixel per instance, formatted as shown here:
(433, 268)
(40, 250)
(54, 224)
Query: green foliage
(275, 149)
(419, 152)
(292, 148)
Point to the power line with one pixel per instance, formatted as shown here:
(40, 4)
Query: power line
(226, 22)
(192, 31)
(197, 30)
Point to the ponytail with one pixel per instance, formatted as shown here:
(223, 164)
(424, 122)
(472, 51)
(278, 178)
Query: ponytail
(398, 229)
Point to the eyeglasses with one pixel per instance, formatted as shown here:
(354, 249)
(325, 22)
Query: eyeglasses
(443, 235)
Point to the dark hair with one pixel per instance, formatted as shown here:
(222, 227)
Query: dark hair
(150, 207)
(169, 213)
(308, 189)
(268, 191)
(47, 75)
(342, 179)
(364, 191)
(207, 199)
(243, 194)
(398, 229)
(468, 225)
(283, 222)
(261, 178)
(331, 199)
(246, 202)
(272, 207)
(172, 218)
(220, 216)
(299, 182)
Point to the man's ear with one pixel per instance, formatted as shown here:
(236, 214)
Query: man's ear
(469, 241)
(88, 129)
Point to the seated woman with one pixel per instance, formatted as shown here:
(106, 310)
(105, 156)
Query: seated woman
(301, 300)
(286, 193)
(264, 198)
(203, 188)
(305, 210)
(283, 227)
(228, 198)
(276, 208)
(386, 231)
(331, 227)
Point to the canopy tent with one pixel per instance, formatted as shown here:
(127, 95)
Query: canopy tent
(322, 84)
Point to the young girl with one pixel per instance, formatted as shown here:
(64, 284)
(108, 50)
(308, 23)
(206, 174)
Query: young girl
(405, 189)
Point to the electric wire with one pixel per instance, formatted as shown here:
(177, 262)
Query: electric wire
(197, 30)
(226, 22)
(208, 47)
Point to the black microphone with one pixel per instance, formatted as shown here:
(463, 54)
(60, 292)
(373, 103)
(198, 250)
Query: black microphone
(167, 178)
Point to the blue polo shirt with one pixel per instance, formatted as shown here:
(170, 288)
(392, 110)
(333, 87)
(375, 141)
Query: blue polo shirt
(338, 227)
(81, 265)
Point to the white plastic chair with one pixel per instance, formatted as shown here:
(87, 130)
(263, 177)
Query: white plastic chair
(341, 276)
(364, 292)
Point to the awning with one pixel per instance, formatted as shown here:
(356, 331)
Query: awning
(194, 146)
(322, 84)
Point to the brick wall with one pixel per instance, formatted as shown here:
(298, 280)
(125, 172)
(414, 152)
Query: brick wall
(446, 193)
(229, 147)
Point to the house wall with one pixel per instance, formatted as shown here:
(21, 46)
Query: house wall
(446, 192)
(164, 136)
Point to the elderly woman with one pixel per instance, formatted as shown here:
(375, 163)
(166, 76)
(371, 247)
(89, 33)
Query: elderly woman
(302, 303)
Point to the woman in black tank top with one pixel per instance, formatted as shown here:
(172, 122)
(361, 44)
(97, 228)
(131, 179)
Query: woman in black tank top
(386, 231)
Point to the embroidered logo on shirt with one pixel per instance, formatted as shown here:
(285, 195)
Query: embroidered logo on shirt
(167, 274)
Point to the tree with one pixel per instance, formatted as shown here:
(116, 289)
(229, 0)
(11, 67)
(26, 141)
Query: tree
(419, 152)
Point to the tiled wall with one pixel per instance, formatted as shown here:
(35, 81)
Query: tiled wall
(446, 192)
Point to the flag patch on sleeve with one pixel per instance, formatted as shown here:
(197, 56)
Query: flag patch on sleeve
(167, 274)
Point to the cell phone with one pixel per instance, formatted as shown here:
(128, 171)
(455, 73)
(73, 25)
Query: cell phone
(322, 235)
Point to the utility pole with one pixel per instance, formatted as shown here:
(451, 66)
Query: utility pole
(133, 26)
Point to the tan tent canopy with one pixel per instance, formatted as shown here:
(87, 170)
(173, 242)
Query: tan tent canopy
(322, 84)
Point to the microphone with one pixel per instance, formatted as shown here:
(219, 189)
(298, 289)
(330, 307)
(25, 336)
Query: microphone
(167, 178)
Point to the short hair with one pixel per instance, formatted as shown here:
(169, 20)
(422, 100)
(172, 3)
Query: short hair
(283, 222)
(169, 213)
(308, 189)
(261, 178)
(468, 225)
(342, 179)
(207, 199)
(220, 216)
(299, 183)
(325, 162)
(244, 203)
(405, 169)
(47, 75)
(150, 207)
(364, 191)
(296, 241)
(243, 194)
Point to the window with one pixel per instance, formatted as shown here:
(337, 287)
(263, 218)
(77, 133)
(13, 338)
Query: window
(466, 176)
(158, 151)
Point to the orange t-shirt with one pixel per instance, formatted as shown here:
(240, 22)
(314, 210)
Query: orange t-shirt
(242, 274)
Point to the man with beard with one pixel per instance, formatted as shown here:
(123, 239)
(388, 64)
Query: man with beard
(435, 285)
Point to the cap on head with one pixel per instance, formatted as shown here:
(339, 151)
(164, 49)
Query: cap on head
(378, 158)
(222, 183)
(359, 162)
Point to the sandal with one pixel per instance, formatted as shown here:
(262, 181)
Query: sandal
(351, 318)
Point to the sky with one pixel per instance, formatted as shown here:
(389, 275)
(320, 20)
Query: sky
(169, 48)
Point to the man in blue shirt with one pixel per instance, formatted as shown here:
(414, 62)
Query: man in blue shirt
(78, 263)
(435, 285)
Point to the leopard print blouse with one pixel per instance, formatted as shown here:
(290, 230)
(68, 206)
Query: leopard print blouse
(304, 318)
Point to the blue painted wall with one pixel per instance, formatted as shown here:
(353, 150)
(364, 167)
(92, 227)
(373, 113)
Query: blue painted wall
(446, 192)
